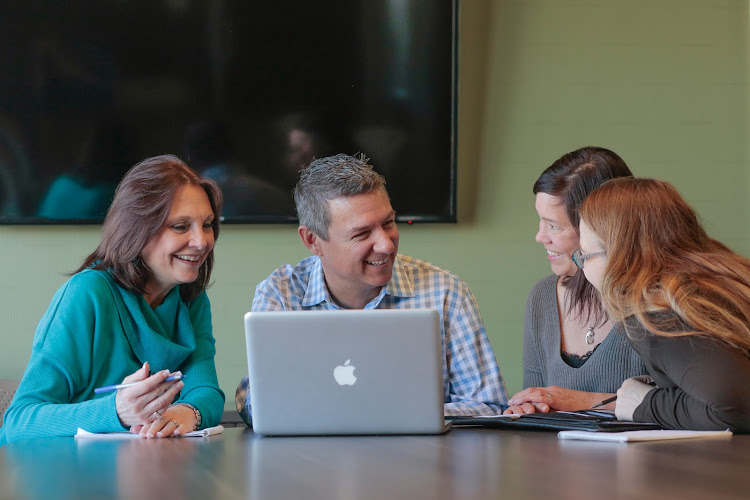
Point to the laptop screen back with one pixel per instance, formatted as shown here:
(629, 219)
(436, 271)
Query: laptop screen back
(345, 372)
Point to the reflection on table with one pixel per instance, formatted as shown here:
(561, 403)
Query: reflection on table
(463, 464)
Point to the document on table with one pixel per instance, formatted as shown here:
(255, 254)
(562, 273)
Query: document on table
(210, 431)
(632, 436)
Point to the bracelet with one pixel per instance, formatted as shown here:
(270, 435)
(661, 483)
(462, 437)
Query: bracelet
(195, 410)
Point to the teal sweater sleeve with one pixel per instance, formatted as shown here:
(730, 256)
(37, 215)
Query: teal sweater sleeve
(201, 384)
(95, 333)
(56, 396)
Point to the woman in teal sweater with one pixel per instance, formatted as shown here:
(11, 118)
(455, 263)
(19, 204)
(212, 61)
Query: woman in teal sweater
(136, 305)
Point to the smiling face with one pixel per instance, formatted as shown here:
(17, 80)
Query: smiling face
(557, 234)
(361, 248)
(176, 252)
(593, 267)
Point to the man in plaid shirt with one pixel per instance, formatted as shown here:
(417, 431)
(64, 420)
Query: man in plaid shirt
(347, 222)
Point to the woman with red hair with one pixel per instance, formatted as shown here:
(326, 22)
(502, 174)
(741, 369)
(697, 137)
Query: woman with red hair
(684, 299)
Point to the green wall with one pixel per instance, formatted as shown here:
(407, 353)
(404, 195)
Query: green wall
(664, 83)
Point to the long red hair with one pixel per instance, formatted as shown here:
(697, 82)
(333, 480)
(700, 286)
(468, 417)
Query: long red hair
(660, 259)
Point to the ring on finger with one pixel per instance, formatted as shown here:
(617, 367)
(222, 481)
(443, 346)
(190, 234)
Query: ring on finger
(549, 395)
(175, 423)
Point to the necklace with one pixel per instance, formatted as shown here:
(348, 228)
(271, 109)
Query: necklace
(590, 336)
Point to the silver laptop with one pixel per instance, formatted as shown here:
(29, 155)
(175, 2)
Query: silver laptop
(345, 372)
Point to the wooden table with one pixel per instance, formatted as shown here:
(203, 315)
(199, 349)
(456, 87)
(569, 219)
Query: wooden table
(466, 463)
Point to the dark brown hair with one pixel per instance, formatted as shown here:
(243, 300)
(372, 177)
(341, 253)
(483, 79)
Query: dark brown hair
(140, 207)
(571, 178)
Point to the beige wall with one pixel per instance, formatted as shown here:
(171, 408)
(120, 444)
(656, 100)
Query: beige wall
(662, 82)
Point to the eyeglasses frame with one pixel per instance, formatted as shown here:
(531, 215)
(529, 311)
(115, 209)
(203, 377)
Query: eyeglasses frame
(578, 255)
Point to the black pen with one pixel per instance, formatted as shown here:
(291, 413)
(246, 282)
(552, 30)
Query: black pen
(602, 403)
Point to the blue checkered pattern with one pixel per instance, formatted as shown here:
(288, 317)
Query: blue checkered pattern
(472, 384)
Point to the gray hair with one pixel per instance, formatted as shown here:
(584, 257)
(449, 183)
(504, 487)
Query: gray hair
(327, 179)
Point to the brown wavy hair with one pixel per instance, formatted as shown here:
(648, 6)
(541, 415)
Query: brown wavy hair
(139, 209)
(571, 178)
(662, 267)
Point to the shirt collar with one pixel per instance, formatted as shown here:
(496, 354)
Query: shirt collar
(317, 292)
(400, 284)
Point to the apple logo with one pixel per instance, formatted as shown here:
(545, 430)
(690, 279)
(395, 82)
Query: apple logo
(344, 374)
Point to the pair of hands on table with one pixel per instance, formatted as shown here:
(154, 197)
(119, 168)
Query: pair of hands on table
(145, 407)
(554, 398)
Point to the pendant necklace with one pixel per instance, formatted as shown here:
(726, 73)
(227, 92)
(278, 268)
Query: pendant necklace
(590, 336)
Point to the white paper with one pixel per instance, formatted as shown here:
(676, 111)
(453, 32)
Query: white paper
(631, 436)
(129, 435)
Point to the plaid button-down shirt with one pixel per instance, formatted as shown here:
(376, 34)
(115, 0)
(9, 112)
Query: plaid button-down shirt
(472, 384)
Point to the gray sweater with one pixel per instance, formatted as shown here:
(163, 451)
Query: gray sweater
(612, 362)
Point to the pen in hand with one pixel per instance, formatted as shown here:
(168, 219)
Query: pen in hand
(117, 387)
(606, 401)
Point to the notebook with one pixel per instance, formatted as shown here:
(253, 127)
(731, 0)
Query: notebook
(632, 436)
(82, 433)
(345, 372)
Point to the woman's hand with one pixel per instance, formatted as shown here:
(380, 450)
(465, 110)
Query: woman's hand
(630, 395)
(527, 408)
(531, 400)
(143, 403)
(176, 420)
(552, 398)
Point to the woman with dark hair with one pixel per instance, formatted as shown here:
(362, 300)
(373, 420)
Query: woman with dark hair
(137, 304)
(573, 356)
(684, 299)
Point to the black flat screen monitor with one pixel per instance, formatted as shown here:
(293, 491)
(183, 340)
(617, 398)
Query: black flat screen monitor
(246, 92)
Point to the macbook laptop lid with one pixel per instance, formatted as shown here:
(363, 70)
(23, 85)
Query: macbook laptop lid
(345, 372)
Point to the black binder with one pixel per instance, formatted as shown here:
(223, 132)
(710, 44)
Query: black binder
(585, 420)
